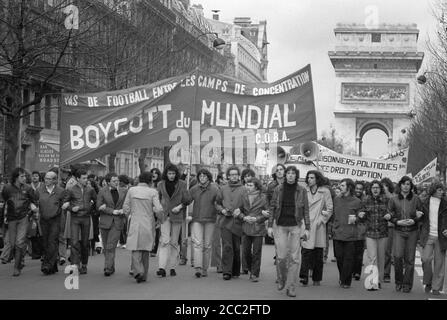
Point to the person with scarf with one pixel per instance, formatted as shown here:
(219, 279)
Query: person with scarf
(203, 221)
(254, 213)
(230, 222)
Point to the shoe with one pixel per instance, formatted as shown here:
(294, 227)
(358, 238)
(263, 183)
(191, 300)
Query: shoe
(372, 289)
(204, 273)
(346, 286)
(254, 279)
(46, 271)
(153, 254)
(291, 292)
(406, 290)
(219, 271)
(333, 260)
(182, 262)
(226, 276)
(83, 269)
(61, 261)
(198, 273)
(161, 273)
(316, 283)
(107, 273)
(244, 271)
(4, 261)
(172, 273)
(356, 276)
(427, 288)
(131, 273)
(16, 272)
(387, 279)
(435, 292)
(304, 282)
(398, 287)
(123, 246)
(235, 276)
(139, 278)
(98, 250)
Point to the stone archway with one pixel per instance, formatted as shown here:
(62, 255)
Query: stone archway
(364, 125)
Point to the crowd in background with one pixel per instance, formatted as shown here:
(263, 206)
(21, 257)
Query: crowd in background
(228, 221)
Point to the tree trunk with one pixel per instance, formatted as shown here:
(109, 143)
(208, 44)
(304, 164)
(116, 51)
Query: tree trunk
(141, 158)
(112, 158)
(12, 127)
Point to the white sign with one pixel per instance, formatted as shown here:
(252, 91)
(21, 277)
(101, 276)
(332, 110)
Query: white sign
(400, 156)
(428, 172)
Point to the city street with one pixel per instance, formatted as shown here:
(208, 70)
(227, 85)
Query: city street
(32, 284)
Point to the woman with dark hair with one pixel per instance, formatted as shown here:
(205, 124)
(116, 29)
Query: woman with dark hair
(406, 211)
(346, 208)
(156, 178)
(254, 213)
(320, 210)
(388, 188)
(433, 239)
(247, 174)
(204, 213)
(375, 214)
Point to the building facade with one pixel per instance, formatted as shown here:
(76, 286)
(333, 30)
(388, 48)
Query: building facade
(123, 44)
(375, 83)
(248, 43)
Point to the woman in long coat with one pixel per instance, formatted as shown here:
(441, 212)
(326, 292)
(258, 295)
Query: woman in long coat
(320, 210)
(141, 203)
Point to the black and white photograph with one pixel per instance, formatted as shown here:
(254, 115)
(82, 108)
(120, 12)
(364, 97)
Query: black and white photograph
(227, 155)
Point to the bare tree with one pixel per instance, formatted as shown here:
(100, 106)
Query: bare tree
(427, 136)
(332, 141)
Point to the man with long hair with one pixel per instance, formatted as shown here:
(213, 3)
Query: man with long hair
(320, 211)
(289, 209)
(174, 198)
(406, 211)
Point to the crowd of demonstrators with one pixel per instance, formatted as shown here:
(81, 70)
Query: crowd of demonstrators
(229, 221)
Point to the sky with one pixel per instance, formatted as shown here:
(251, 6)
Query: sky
(301, 32)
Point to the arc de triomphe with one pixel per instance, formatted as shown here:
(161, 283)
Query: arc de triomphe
(375, 72)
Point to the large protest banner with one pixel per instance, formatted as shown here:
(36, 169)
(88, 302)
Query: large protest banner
(429, 171)
(337, 166)
(206, 112)
(400, 156)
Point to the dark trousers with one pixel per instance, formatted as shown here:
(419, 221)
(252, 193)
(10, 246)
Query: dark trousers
(344, 253)
(123, 235)
(140, 263)
(79, 246)
(157, 239)
(404, 256)
(312, 259)
(50, 240)
(37, 248)
(231, 253)
(389, 252)
(244, 263)
(358, 256)
(110, 238)
(252, 253)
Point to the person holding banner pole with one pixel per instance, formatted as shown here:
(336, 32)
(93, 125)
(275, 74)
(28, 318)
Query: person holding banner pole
(361, 228)
(406, 211)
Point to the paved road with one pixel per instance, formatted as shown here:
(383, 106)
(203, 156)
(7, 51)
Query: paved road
(33, 285)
